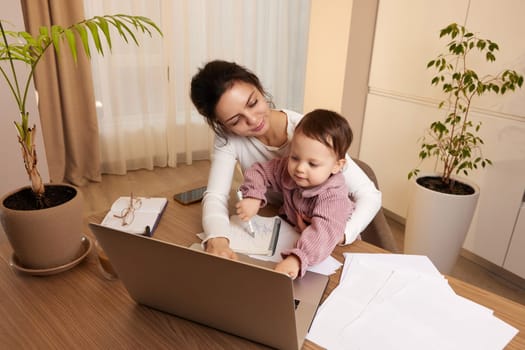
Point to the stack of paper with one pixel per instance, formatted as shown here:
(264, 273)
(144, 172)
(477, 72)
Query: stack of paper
(394, 301)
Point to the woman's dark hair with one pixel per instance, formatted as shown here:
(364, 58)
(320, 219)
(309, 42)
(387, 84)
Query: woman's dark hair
(211, 81)
(329, 128)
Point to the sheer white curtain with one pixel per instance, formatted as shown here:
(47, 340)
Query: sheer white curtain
(146, 118)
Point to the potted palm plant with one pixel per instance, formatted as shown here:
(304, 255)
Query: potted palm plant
(43, 222)
(442, 204)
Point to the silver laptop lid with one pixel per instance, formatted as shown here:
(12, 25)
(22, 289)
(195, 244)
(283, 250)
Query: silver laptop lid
(253, 302)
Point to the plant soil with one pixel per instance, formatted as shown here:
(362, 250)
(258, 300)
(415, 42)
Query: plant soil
(54, 195)
(435, 183)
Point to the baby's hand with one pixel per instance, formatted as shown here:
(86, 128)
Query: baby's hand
(247, 207)
(289, 266)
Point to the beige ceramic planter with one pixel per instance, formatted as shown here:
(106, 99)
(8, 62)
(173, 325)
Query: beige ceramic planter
(44, 238)
(437, 224)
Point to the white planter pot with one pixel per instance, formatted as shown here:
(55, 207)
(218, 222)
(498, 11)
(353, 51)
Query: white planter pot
(437, 223)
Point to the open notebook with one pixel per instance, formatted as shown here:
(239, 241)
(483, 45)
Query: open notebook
(143, 219)
(267, 233)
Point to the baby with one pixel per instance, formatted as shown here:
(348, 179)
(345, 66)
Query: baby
(315, 196)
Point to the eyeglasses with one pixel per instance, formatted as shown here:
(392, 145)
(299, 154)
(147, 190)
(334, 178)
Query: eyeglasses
(128, 214)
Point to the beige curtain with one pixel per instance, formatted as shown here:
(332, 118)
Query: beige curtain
(66, 102)
(146, 118)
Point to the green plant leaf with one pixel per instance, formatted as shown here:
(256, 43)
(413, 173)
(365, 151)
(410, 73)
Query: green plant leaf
(56, 31)
(104, 27)
(126, 28)
(481, 44)
(70, 36)
(82, 32)
(493, 46)
(93, 29)
(115, 23)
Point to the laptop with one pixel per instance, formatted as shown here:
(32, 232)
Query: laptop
(237, 297)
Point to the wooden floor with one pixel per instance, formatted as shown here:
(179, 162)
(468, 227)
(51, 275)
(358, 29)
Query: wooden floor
(99, 196)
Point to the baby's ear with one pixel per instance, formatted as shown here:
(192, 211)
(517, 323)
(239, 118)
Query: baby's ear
(338, 166)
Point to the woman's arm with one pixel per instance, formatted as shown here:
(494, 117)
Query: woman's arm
(366, 196)
(215, 215)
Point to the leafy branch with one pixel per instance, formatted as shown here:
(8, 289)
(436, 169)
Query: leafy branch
(454, 141)
(29, 50)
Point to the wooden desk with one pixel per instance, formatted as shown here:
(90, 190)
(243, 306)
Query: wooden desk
(80, 309)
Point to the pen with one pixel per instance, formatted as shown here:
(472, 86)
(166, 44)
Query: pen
(275, 235)
(250, 226)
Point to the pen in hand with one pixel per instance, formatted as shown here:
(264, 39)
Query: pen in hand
(250, 226)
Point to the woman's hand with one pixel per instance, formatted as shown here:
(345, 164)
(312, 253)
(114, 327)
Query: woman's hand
(247, 207)
(289, 266)
(220, 246)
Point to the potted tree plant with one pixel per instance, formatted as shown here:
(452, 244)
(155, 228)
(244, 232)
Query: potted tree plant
(442, 205)
(43, 222)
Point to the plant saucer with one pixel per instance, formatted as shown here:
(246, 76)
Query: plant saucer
(85, 249)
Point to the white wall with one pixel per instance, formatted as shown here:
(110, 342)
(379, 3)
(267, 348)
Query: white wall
(327, 52)
(401, 104)
(338, 60)
(12, 171)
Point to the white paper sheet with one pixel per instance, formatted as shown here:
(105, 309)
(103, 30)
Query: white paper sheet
(395, 301)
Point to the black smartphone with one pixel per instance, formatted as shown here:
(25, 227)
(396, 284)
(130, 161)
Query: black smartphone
(190, 196)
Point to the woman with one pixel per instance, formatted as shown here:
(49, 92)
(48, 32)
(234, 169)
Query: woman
(235, 105)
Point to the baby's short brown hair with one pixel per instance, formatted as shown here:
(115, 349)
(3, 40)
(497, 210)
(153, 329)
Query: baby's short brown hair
(329, 128)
